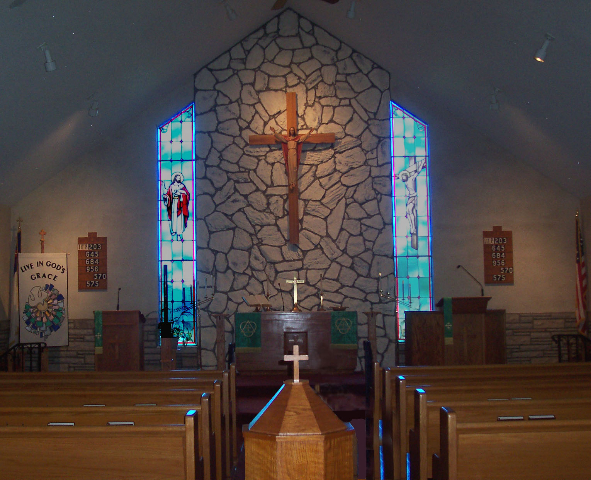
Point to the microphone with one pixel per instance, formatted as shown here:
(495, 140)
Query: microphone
(118, 290)
(474, 278)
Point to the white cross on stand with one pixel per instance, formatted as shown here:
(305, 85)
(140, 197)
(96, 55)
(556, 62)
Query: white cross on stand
(295, 282)
(295, 358)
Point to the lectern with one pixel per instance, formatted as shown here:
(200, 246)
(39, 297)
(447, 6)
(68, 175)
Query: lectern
(123, 342)
(465, 334)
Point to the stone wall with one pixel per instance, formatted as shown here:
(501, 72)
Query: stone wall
(345, 203)
(529, 336)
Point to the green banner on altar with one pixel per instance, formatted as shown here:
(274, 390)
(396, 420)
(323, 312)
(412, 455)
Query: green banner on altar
(248, 332)
(343, 330)
(448, 322)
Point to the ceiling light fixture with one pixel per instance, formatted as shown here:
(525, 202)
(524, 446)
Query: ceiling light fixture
(49, 63)
(93, 110)
(230, 12)
(494, 100)
(351, 12)
(541, 53)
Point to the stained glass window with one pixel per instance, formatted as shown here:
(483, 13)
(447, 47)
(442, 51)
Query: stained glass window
(176, 220)
(412, 215)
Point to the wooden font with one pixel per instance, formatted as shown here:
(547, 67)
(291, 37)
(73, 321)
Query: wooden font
(498, 256)
(92, 262)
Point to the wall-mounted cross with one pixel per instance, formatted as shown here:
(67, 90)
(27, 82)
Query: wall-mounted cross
(42, 241)
(292, 147)
(295, 358)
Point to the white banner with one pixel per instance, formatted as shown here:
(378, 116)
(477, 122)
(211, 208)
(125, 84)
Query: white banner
(43, 298)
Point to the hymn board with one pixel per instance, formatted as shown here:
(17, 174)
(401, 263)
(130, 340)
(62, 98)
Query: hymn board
(498, 256)
(92, 262)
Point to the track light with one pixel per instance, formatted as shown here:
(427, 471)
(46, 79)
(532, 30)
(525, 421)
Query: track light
(351, 12)
(93, 110)
(494, 100)
(541, 53)
(230, 12)
(49, 63)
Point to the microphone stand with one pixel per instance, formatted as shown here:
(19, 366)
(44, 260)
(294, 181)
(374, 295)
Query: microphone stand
(475, 279)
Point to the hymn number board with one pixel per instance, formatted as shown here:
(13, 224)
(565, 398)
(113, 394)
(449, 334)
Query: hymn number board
(498, 256)
(92, 262)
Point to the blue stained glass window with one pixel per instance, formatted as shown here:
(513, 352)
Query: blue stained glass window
(176, 219)
(412, 217)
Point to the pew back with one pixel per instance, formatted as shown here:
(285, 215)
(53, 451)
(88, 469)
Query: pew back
(515, 450)
(98, 452)
(424, 437)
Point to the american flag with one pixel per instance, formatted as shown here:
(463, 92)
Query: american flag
(581, 296)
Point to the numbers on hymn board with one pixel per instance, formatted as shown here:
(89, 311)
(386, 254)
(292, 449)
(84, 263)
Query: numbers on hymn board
(92, 262)
(498, 256)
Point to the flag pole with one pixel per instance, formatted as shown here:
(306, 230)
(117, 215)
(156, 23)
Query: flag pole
(581, 280)
(14, 305)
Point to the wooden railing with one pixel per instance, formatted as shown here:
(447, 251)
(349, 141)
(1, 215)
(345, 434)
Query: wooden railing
(25, 357)
(573, 347)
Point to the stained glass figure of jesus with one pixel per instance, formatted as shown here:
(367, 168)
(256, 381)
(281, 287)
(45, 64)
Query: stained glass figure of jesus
(176, 200)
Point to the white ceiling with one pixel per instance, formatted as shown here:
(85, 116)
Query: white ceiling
(452, 52)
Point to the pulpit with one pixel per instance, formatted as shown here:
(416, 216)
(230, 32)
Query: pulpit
(123, 341)
(462, 332)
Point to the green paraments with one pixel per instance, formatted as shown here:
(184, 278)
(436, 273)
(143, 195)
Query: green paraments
(448, 324)
(343, 330)
(98, 332)
(248, 332)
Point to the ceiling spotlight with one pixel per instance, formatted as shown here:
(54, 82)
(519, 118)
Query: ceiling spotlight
(351, 12)
(230, 12)
(494, 100)
(49, 63)
(541, 53)
(93, 110)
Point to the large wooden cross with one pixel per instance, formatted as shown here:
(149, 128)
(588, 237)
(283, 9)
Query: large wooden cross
(292, 121)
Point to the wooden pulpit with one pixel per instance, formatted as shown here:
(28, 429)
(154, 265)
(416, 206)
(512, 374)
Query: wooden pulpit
(469, 334)
(123, 342)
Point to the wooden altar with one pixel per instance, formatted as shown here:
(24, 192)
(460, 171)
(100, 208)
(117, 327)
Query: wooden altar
(311, 331)
(475, 336)
(123, 341)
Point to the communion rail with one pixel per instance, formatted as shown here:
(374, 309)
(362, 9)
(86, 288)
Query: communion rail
(572, 347)
(25, 357)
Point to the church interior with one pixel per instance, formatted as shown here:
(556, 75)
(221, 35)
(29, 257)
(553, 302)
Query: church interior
(295, 239)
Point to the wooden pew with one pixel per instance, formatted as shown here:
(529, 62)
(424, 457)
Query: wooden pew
(425, 434)
(98, 452)
(138, 395)
(397, 419)
(512, 450)
(178, 378)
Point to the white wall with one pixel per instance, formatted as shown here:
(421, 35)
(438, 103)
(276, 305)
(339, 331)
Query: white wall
(111, 191)
(475, 185)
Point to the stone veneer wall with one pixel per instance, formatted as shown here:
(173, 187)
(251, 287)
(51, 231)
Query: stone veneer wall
(345, 188)
(529, 335)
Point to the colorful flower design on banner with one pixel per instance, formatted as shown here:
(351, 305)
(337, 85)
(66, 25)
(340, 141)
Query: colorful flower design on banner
(44, 311)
